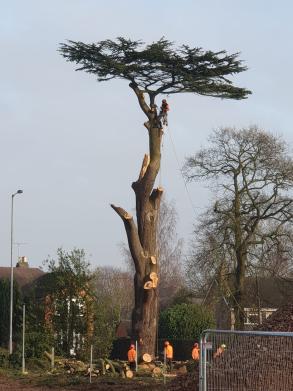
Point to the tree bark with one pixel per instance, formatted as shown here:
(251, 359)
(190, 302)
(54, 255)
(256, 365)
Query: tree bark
(142, 237)
(240, 259)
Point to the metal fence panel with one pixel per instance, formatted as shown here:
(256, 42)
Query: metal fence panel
(242, 361)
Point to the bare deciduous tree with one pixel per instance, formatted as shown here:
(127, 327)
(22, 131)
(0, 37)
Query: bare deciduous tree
(114, 286)
(252, 172)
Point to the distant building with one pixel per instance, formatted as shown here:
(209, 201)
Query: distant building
(25, 277)
(262, 297)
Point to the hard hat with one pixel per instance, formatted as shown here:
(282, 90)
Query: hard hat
(196, 345)
(132, 346)
(166, 342)
(223, 346)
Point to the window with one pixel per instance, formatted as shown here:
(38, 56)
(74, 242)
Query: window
(253, 317)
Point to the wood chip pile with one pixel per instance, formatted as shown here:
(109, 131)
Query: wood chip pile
(281, 320)
(258, 363)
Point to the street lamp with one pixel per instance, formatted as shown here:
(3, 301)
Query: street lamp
(11, 275)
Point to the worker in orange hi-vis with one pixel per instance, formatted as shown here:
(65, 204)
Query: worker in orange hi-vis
(131, 355)
(168, 352)
(220, 350)
(195, 352)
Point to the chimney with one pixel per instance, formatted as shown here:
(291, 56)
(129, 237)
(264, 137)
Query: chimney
(22, 262)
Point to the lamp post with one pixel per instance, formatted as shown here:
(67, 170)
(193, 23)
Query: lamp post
(11, 275)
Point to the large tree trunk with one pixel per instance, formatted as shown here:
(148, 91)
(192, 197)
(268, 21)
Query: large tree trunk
(239, 291)
(142, 238)
(240, 259)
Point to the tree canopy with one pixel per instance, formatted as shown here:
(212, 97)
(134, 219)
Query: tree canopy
(252, 172)
(159, 68)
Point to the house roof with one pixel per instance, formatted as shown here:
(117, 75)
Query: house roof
(268, 292)
(271, 292)
(24, 277)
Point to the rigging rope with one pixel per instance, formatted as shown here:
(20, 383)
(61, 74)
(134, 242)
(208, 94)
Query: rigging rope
(180, 170)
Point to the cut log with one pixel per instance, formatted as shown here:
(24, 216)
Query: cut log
(147, 357)
(129, 374)
(148, 285)
(146, 366)
(107, 366)
(102, 362)
(48, 355)
(111, 365)
(157, 371)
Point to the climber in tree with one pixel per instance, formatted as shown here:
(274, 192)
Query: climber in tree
(163, 116)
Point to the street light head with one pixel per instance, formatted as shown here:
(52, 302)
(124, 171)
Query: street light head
(19, 191)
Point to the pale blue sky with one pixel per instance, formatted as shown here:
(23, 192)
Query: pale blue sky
(74, 146)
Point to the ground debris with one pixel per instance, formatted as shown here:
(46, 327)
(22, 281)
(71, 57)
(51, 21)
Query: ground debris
(280, 320)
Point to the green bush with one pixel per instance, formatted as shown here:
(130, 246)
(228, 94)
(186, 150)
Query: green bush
(37, 364)
(15, 359)
(184, 321)
(4, 358)
(36, 343)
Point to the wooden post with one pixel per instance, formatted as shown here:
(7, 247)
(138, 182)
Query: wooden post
(91, 363)
(53, 359)
(23, 338)
(165, 366)
(136, 355)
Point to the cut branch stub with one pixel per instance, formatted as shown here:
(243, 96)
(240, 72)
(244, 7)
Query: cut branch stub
(145, 163)
(156, 195)
(121, 212)
(153, 260)
(154, 278)
(148, 285)
(135, 246)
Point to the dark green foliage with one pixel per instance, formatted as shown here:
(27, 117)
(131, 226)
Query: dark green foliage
(184, 321)
(159, 67)
(106, 321)
(5, 311)
(36, 343)
(68, 294)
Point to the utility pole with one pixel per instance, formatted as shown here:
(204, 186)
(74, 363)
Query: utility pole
(11, 272)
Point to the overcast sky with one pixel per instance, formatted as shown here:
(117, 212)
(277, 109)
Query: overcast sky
(74, 145)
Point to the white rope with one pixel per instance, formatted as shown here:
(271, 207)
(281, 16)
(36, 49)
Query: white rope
(180, 170)
(161, 164)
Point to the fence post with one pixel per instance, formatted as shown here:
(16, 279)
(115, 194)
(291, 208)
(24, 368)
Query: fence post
(204, 369)
(53, 359)
(23, 338)
(200, 363)
(165, 365)
(91, 363)
(136, 355)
